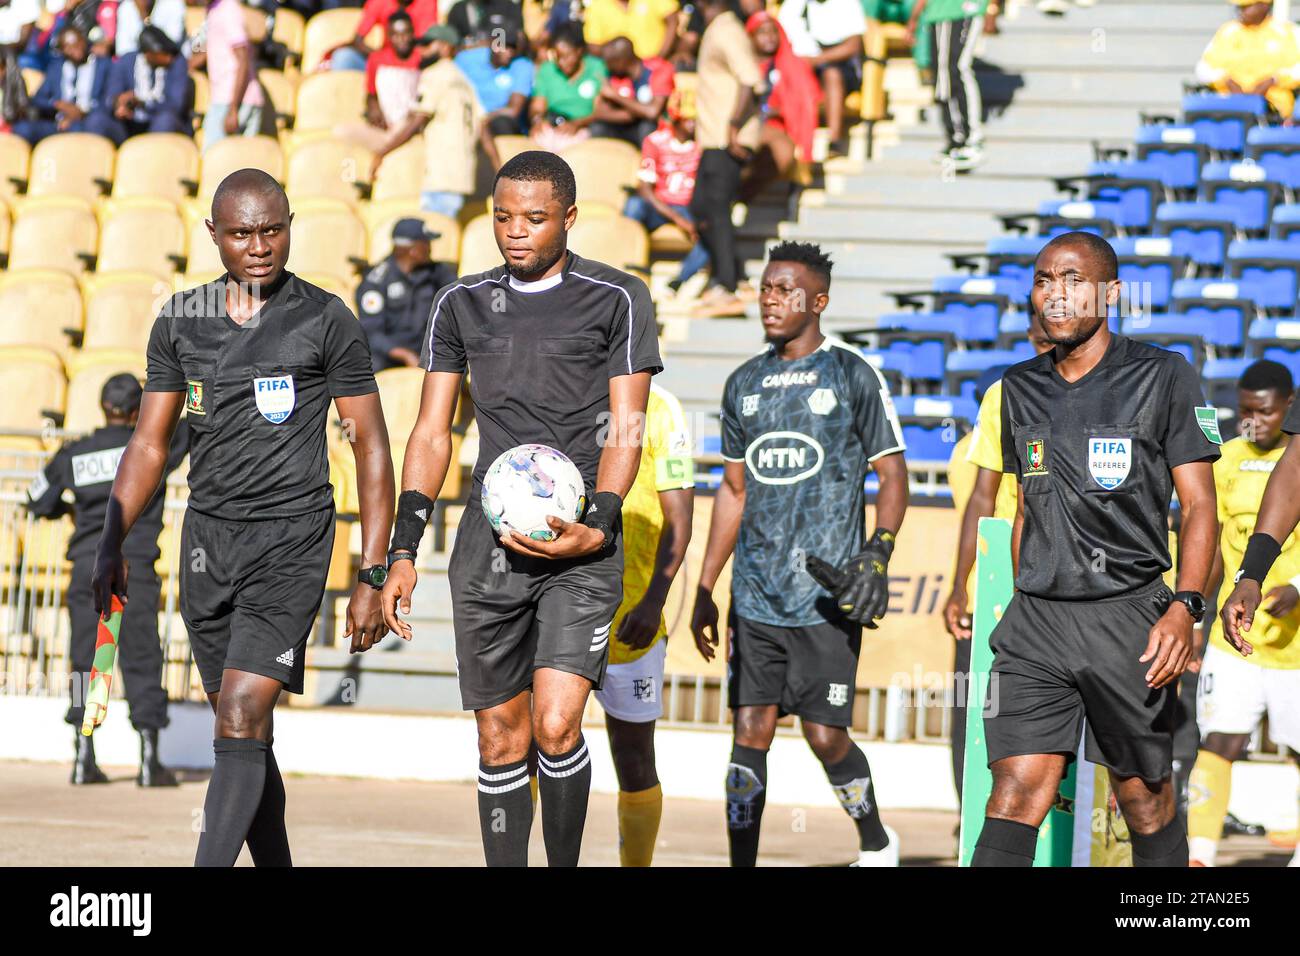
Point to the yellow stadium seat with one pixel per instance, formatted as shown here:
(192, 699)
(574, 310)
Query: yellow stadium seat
(196, 277)
(14, 157)
(31, 383)
(325, 99)
(120, 311)
(380, 217)
(53, 235)
(194, 17)
(332, 284)
(282, 90)
(71, 164)
(33, 79)
(325, 31)
(326, 237)
(202, 93)
(255, 24)
(400, 174)
(45, 568)
(127, 359)
(202, 255)
(289, 29)
(616, 240)
(603, 168)
(399, 393)
(510, 146)
(668, 240)
(142, 239)
(83, 413)
(36, 306)
(478, 247)
(157, 165)
(239, 152)
(328, 169)
(5, 226)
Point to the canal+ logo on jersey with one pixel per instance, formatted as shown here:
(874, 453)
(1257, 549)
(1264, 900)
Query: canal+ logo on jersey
(1109, 460)
(783, 458)
(275, 397)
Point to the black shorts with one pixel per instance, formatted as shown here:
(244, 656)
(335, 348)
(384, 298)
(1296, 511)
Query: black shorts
(1066, 668)
(250, 592)
(514, 614)
(850, 69)
(808, 671)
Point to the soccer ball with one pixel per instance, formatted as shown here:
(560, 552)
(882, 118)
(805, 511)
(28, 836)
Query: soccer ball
(528, 483)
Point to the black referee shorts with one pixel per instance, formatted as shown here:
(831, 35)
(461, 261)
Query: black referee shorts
(1062, 668)
(250, 592)
(809, 671)
(514, 614)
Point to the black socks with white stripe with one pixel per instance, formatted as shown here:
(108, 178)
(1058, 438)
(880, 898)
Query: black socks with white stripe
(505, 813)
(564, 782)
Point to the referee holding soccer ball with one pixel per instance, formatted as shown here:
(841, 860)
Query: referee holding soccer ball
(559, 350)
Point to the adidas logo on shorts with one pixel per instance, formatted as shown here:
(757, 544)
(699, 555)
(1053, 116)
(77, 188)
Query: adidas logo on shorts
(286, 658)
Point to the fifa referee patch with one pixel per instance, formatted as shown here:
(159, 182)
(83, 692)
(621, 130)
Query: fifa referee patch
(194, 398)
(1036, 457)
(1207, 416)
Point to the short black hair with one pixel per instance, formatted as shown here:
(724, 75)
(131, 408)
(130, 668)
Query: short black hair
(806, 253)
(1266, 375)
(1102, 252)
(538, 165)
(247, 180)
(401, 16)
(153, 40)
(570, 32)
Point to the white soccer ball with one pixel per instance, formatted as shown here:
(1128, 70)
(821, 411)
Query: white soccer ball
(528, 483)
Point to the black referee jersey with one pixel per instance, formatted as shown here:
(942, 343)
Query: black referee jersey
(540, 355)
(1094, 458)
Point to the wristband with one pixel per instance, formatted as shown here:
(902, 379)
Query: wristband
(413, 510)
(1261, 552)
(885, 540)
(606, 508)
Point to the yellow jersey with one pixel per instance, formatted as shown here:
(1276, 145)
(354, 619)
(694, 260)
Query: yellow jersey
(666, 465)
(1240, 475)
(986, 450)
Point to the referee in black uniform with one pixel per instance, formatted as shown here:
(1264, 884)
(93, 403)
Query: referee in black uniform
(254, 358)
(559, 350)
(85, 468)
(1099, 430)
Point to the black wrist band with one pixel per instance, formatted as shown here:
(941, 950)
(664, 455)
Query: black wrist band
(606, 508)
(1261, 552)
(413, 511)
(884, 539)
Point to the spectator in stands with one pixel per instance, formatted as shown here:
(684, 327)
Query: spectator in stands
(392, 75)
(13, 91)
(728, 130)
(96, 19)
(789, 107)
(448, 113)
(503, 79)
(235, 97)
(687, 46)
(356, 56)
(395, 298)
(478, 22)
(150, 91)
(651, 25)
(827, 34)
(134, 15)
(565, 90)
(955, 27)
(631, 101)
(670, 158)
(1254, 53)
(72, 97)
(18, 23)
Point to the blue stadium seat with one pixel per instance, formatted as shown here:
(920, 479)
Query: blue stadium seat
(1245, 185)
(1270, 268)
(928, 443)
(926, 357)
(937, 406)
(1277, 149)
(1149, 266)
(711, 444)
(1205, 228)
(1290, 357)
(1222, 121)
(1177, 151)
(967, 325)
(1169, 332)
(1286, 223)
(964, 368)
(1104, 216)
(1222, 308)
(1137, 186)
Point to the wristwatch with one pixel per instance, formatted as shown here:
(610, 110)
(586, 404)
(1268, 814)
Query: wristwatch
(1194, 603)
(375, 576)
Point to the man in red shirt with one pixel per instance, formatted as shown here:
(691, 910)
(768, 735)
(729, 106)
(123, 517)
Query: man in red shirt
(630, 103)
(423, 14)
(669, 158)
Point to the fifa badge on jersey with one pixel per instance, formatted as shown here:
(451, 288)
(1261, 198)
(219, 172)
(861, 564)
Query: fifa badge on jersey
(821, 401)
(748, 404)
(1207, 416)
(1035, 455)
(194, 404)
(275, 397)
(1109, 460)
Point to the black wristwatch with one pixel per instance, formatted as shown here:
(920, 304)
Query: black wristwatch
(375, 576)
(1194, 603)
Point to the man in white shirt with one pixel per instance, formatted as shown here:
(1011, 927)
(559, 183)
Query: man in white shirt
(828, 34)
(17, 20)
(134, 15)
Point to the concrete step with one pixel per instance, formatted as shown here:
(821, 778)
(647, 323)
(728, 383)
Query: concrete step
(1145, 18)
(1005, 159)
(1096, 51)
(911, 265)
(922, 225)
(1130, 86)
(967, 193)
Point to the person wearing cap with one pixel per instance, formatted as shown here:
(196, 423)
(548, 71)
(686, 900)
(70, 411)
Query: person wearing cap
(1257, 53)
(150, 90)
(396, 296)
(79, 479)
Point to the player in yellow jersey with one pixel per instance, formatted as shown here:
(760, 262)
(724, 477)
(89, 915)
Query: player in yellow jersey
(1234, 692)
(656, 530)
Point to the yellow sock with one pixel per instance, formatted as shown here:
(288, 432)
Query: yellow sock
(638, 825)
(1208, 791)
(532, 786)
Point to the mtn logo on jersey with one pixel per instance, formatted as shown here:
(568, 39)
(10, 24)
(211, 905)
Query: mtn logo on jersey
(275, 397)
(1109, 460)
(784, 458)
(785, 379)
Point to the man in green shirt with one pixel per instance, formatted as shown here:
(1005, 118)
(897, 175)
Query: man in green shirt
(955, 27)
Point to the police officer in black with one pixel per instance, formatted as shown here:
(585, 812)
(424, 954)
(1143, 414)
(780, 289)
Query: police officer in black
(1099, 431)
(396, 296)
(84, 470)
(255, 359)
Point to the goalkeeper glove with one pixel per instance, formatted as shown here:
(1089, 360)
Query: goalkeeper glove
(861, 588)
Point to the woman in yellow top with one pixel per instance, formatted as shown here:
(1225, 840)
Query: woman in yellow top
(1254, 53)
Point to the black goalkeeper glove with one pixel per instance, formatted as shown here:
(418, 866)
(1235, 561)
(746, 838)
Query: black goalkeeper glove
(861, 589)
